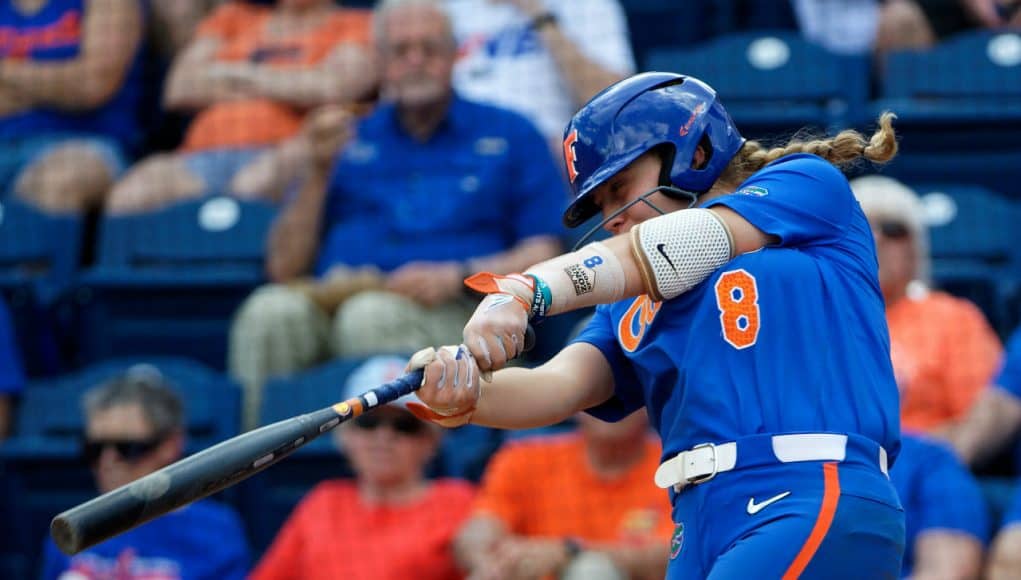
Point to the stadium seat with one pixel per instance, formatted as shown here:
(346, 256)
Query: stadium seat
(959, 110)
(167, 282)
(775, 83)
(973, 245)
(39, 255)
(42, 461)
(655, 24)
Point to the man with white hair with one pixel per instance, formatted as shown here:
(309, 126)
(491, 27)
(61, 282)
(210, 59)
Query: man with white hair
(943, 350)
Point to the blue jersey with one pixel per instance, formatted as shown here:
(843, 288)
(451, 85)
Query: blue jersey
(54, 34)
(791, 338)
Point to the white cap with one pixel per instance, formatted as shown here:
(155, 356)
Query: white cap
(884, 197)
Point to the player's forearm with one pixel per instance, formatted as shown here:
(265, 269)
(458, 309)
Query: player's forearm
(992, 421)
(520, 398)
(294, 238)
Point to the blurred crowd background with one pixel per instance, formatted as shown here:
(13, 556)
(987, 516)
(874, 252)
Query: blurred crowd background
(219, 214)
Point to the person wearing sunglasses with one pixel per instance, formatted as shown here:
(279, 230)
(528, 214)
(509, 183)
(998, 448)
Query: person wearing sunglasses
(389, 521)
(943, 350)
(135, 425)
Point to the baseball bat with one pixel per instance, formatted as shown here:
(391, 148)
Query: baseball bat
(214, 469)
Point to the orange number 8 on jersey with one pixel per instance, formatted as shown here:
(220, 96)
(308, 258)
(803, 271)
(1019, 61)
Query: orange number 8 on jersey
(737, 297)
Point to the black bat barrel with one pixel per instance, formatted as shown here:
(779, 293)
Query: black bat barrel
(186, 481)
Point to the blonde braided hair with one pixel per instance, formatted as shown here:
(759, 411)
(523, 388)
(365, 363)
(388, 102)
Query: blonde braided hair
(842, 150)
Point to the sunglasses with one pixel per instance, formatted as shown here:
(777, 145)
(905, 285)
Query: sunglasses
(402, 424)
(130, 450)
(893, 229)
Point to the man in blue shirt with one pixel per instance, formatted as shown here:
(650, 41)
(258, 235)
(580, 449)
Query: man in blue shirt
(135, 426)
(431, 188)
(12, 378)
(946, 516)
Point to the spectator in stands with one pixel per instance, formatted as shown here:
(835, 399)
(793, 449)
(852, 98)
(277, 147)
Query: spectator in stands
(70, 84)
(390, 522)
(943, 349)
(540, 58)
(1005, 553)
(174, 23)
(995, 418)
(250, 74)
(946, 516)
(135, 425)
(917, 24)
(12, 377)
(433, 188)
(581, 505)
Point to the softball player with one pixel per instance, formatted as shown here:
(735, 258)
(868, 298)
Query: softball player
(741, 307)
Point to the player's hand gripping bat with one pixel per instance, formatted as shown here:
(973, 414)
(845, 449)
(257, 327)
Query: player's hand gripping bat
(211, 470)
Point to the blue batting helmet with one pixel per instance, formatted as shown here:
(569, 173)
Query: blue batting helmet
(637, 114)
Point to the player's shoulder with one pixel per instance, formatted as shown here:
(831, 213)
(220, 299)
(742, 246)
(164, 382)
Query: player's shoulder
(802, 165)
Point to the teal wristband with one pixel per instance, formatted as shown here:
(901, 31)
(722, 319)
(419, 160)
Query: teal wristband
(541, 300)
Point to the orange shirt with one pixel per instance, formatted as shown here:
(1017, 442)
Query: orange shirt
(545, 487)
(943, 354)
(334, 534)
(241, 29)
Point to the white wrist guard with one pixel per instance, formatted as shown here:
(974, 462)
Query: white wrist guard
(677, 251)
(589, 276)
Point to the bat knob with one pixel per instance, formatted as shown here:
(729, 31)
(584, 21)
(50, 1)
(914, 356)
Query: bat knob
(65, 535)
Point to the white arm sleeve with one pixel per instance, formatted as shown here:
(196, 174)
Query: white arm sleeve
(677, 251)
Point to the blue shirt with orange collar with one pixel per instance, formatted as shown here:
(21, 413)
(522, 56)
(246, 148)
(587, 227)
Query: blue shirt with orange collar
(791, 339)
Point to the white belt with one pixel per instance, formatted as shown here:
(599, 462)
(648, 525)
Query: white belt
(702, 462)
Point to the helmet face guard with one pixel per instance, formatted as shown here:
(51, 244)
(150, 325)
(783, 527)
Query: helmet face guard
(644, 198)
(638, 114)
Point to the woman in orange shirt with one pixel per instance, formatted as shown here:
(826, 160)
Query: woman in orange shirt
(249, 76)
(389, 523)
(943, 349)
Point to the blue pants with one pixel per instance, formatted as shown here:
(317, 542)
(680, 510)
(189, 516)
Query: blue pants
(789, 520)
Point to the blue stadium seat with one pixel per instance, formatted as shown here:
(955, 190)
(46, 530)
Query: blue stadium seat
(167, 282)
(959, 110)
(39, 255)
(973, 244)
(775, 82)
(42, 462)
(656, 24)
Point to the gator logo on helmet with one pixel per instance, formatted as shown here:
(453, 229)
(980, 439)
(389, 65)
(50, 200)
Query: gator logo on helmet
(691, 120)
(570, 156)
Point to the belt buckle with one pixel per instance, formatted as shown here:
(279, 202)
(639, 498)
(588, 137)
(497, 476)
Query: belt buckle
(713, 459)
